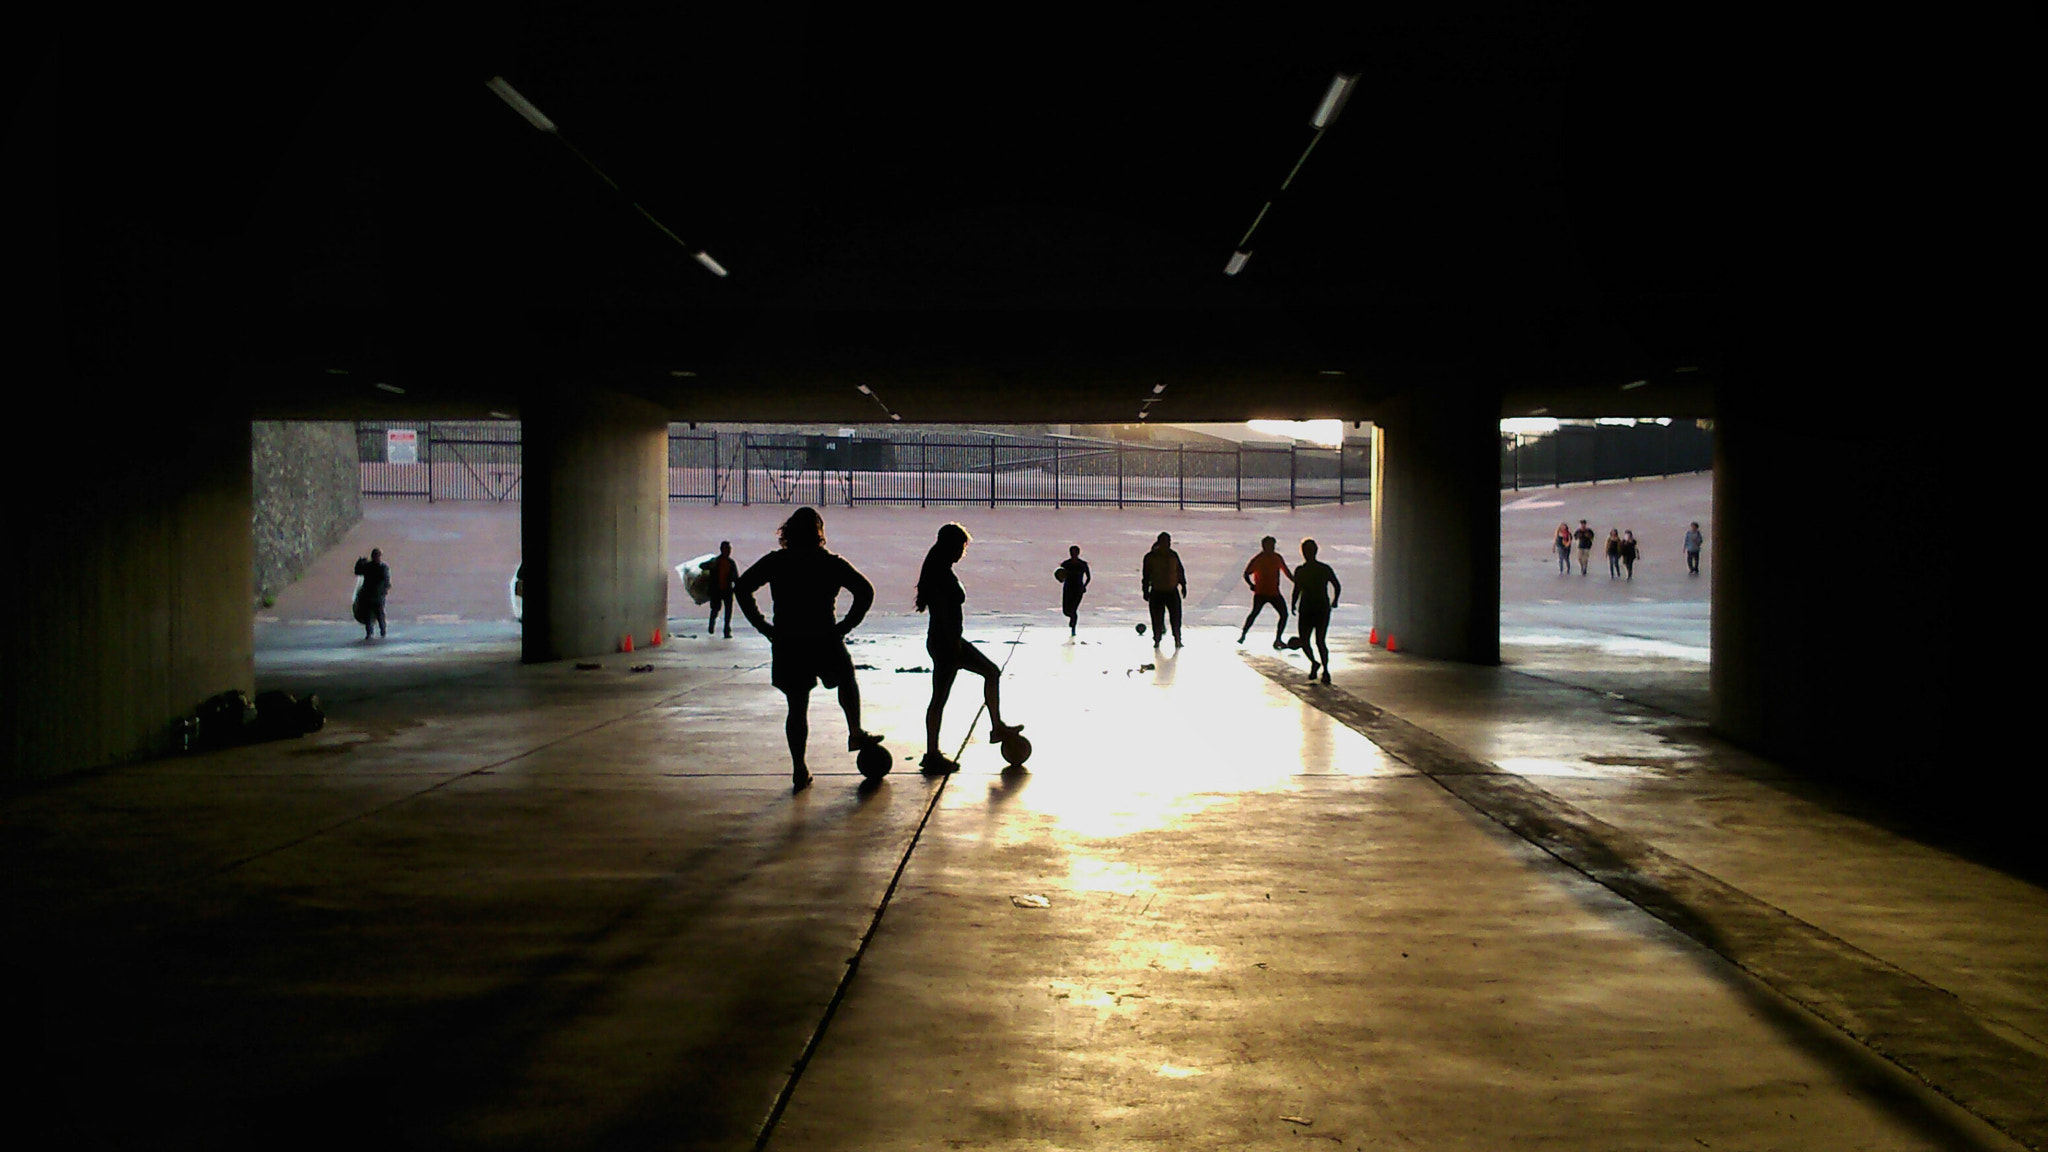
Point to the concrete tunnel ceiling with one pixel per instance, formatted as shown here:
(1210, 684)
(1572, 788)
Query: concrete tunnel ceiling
(990, 219)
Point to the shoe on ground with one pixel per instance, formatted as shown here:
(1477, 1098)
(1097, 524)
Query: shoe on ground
(1312, 670)
(935, 764)
(799, 780)
(1326, 675)
(1279, 645)
(999, 733)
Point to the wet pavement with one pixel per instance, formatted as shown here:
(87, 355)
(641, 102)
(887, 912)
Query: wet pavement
(1429, 906)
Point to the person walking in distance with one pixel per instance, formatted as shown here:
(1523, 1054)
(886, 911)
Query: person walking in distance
(807, 643)
(1693, 543)
(1074, 578)
(1562, 545)
(370, 594)
(1316, 589)
(1164, 582)
(1628, 554)
(724, 574)
(1262, 575)
(1613, 553)
(940, 594)
(1584, 539)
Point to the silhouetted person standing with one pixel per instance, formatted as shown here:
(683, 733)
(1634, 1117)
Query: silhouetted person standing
(376, 585)
(724, 577)
(1163, 581)
(1584, 539)
(1072, 585)
(939, 593)
(1262, 575)
(1693, 543)
(1316, 589)
(808, 644)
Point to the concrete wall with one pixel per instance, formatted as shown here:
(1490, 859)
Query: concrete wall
(129, 594)
(594, 522)
(308, 493)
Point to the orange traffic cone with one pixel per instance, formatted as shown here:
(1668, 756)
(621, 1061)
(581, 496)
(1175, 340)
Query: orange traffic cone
(656, 641)
(1393, 645)
(627, 644)
(1373, 636)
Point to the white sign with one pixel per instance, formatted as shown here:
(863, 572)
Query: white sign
(401, 446)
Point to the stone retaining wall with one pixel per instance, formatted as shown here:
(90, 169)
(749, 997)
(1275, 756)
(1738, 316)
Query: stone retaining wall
(308, 494)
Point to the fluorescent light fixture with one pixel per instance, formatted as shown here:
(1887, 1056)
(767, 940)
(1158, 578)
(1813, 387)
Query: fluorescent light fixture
(1333, 100)
(520, 104)
(390, 387)
(865, 390)
(1617, 421)
(1158, 388)
(1633, 385)
(896, 417)
(501, 415)
(1331, 372)
(344, 371)
(705, 259)
(1687, 368)
(1236, 264)
(680, 372)
(1539, 411)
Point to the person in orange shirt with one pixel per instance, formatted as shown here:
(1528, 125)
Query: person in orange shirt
(1262, 575)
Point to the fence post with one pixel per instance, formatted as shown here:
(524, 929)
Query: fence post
(429, 446)
(1055, 474)
(1340, 466)
(746, 470)
(1119, 475)
(991, 471)
(1240, 476)
(1293, 454)
(1180, 465)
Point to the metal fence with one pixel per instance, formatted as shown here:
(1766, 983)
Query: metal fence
(1577, 453)
(456, 460)
(1051, 471)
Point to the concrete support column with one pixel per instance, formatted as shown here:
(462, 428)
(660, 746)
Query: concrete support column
(1832, 646)
(129, 587)
(1436, 524)
(593, 521)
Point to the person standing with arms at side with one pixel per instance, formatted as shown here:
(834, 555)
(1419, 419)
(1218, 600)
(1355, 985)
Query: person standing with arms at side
(1164, 582)
(939, 592)
(1562, 544)
(1262, 575)
(1584, 539)
(725, 575)
(1613, 553)
(1628, 554)
(1693, 543)
(376, 585)
(807, 643)
(1073, 583)
(1315, 596)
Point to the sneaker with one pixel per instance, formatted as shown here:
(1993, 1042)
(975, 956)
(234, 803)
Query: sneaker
(1311, 669)
(1279, 645)
(799, 780)
(999, 733)
(1326, 675)
(855, 741)
(935, 764)
(1240, 637)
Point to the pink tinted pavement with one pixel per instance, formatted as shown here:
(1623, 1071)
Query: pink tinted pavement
(452, 561)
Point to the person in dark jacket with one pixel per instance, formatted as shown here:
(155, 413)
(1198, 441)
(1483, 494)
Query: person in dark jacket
(807, 643)
(1628, 553)
(723, 574)
(370, 594)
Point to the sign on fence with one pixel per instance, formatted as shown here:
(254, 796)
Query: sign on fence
(401, 446)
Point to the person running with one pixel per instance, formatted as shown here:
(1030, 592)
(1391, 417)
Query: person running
(1562, 544)
(1074, 577)
(1262, 575)
(807, 643)
(1584, 539)
(1613, 553)
(1694, 541)
(724, 572)
(1163, 581)
(1628, 554)
(1316, 589)
(939, 592)
(370, 594)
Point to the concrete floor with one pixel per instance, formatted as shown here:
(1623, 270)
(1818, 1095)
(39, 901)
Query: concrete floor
(1430, 906)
